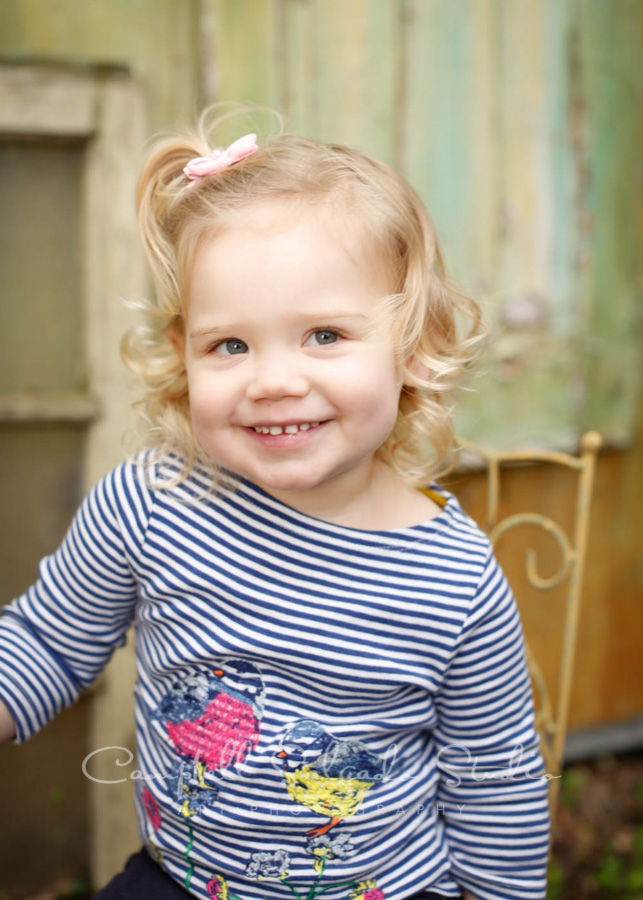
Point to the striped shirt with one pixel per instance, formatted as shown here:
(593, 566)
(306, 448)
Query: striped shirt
(319, 709)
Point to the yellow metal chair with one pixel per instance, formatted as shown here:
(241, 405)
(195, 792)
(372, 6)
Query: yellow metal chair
(551, 714)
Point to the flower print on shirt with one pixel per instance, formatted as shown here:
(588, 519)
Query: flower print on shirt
(325, 848)
(367, 890)
(275, 865)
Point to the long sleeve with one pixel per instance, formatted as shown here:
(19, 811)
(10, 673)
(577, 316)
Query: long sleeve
(492, 792)
(58, 636)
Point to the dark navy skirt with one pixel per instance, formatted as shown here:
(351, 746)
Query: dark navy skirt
(144, 879)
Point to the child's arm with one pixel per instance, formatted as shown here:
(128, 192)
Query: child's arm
(58, 636)
(7, 725)
(492, 795)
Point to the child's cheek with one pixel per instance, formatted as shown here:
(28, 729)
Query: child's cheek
(208, 404)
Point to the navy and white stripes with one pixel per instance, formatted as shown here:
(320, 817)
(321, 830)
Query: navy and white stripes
(318, 708)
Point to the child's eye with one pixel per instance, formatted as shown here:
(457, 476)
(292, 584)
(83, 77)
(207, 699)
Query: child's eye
(326, 336)
(229, 347)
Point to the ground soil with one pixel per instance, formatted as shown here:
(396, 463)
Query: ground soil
(598, 833)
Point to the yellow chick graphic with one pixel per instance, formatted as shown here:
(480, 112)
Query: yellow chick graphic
(327, 775)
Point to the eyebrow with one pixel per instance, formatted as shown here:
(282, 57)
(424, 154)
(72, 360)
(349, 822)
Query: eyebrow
(308, 317)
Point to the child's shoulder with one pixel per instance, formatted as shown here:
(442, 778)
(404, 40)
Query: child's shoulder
(458, 523)
(126, 499)
(490, 592)
(153, 471)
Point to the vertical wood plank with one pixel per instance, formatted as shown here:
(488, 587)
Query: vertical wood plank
(243, 55)
(340, 38)
(478, 259)
(247, 66)
(300, 69)
(524, 152)
(384, 86)
(535, 371)
(437, 138)
(611, 85)
(565, 184)
(113, 273)
(342, 72)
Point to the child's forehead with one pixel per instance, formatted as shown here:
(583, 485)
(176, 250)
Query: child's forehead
(281, 257)
(280, 214)
(333, 222)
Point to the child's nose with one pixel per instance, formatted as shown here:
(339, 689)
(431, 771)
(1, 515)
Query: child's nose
(275, 377)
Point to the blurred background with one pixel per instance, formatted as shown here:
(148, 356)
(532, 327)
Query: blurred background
(519, 123)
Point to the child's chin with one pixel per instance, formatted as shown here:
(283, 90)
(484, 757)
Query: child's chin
(293, 485)
(289, 481)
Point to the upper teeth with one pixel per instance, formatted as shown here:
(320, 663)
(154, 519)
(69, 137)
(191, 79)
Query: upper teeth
(289, 429)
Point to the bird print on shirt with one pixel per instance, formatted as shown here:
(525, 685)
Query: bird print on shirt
(212, 717)
(328, 775)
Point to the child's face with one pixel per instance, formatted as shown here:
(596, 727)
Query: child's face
(281, 329)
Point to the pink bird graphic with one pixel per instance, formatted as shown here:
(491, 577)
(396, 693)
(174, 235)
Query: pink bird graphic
(212, 718)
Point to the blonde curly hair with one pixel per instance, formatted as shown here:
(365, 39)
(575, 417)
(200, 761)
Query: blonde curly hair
(177, 215)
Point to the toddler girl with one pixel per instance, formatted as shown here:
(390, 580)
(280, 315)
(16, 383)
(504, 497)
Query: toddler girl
(332, 696)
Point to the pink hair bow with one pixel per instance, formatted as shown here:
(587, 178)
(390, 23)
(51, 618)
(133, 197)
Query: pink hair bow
(221, 159)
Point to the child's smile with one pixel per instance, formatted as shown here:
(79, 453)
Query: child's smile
(291, 374)
(287, 435)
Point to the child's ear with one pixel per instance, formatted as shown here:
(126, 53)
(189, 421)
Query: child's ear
(176, 334)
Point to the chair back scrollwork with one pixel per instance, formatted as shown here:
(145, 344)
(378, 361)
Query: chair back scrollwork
(551, 714)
